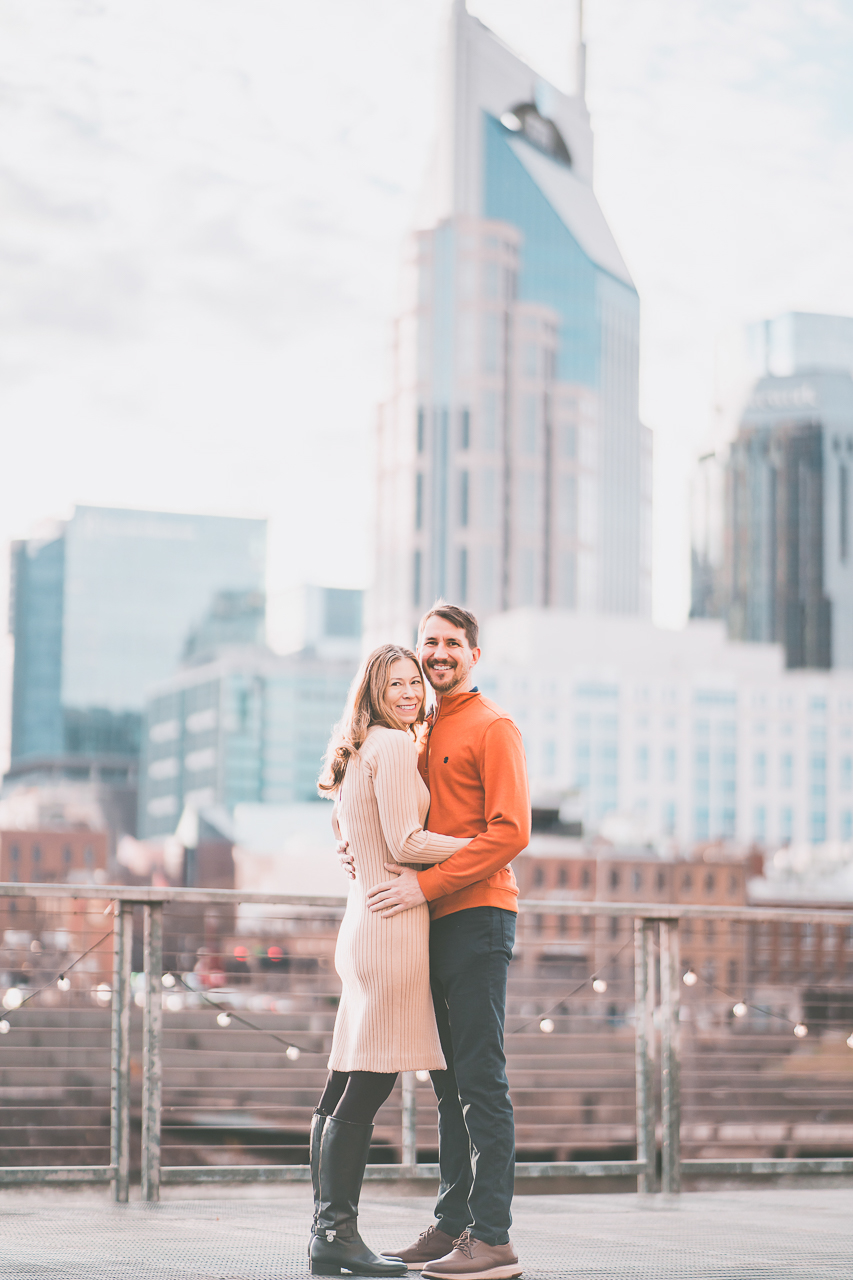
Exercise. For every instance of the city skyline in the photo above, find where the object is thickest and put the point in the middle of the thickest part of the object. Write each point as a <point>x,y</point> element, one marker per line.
<point>168,281</point>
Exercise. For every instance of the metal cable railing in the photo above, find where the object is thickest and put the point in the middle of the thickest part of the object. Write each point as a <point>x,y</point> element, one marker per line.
<point>191,1043</point>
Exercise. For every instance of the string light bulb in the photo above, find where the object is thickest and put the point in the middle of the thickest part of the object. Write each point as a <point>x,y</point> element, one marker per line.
<point>690,978</point>
<point>423,1076</point>
<point>740,1010</point>
<point>5,1028</point>
<point>103,993</point>
<point>599,986</point>
<point>801,1031</point>
<point>168,979</point>
<point>850,1041</point>
<point>13,999</point>
<point>547,1025</point>
<point>223,1019</point>
<point>292,1052</point>
<point>63,983</point>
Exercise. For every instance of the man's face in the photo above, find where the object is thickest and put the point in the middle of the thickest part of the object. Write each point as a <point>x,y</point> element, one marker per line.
<point>447,656</point>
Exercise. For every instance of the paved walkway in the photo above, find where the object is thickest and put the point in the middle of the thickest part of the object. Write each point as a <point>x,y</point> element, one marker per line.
<point>724,1235</point>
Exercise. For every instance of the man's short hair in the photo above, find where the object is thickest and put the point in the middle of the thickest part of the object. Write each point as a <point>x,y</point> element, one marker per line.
<point>457,617</point>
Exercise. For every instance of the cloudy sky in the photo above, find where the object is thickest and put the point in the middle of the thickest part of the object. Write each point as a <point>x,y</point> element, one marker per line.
<point>202,202</point>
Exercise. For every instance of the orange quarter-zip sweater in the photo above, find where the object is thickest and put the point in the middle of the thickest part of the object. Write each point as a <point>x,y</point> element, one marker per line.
<point>473,763</point>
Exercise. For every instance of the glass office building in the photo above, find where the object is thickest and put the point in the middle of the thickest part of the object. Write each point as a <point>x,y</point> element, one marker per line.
<point>103,609</point>
<point>513,467</point>
<point>249,727</point>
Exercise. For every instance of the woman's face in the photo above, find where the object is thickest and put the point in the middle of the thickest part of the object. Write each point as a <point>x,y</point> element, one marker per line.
<point>405,691</point>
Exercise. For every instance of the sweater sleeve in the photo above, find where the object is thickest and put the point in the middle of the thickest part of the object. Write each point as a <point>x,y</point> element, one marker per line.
<point>395,785</point>
<point>503,769</point>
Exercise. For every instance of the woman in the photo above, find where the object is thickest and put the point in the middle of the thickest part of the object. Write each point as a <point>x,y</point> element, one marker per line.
<point>385,1021</point>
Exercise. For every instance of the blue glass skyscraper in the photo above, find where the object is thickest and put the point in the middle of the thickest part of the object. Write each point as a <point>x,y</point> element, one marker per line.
<point>513,467</point>
<point>104,608</point>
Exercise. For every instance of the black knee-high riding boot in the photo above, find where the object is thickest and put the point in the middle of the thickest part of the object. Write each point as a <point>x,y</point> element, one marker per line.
<point>336,1242</point>
<point>318,1120</point>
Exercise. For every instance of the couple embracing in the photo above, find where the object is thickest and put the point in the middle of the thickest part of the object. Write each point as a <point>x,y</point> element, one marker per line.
<point>432,810</point>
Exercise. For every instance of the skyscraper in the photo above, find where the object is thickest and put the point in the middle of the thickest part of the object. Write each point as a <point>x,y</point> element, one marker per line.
<point>789,558</point>
<point>788,573</point>
<point>513,468</point>
<point>103,608</point>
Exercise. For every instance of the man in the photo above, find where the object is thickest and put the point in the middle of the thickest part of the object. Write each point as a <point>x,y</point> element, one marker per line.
<point>473,763</point>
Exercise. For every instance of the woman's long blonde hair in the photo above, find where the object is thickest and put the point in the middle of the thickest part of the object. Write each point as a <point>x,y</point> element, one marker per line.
<point>366,706</point>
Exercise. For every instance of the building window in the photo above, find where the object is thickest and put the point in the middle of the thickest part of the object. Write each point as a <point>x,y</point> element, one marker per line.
<point>636,880</point>
<point>549,758</point>
<point>786,823</point>
<point>701,823</point>
<point>463,574</point>
<point>529,425</point>
<point>669,818</point>
<point>586,878</point>
<point>710,881</point>
<point>67,855</point>
<point>421,430</point>
<point>419,500</point>
<point>786,771</point>
<point>669,764</point>
<point>538,876</point>
<point>614,879</point>
<point>89,856</point>
<point>465,429</point>
<point>642,765</point>
<point>847,773</point>
<point>733,973</point>
<point>842,513</point>
<point>818,826</point>
<point>563,878</point>
<point>463,498</point>
<point>661,881</point>
<point>416,578</point>
<point>759,769</point>
<point>759,822</point>
<point>687,881</point>
<point>36,854</point>
<point>614,926</point>
<point>15,853</point>
<point>587,925</point>
<point>846,824</point>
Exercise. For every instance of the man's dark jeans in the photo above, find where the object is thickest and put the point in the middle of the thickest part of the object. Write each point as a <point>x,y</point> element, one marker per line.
<point>469,954</point>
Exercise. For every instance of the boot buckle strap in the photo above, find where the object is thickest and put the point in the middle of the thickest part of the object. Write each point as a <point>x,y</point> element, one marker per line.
<point>330,1235</point>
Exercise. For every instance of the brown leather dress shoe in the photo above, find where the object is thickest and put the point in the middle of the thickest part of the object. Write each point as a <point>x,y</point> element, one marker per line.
<point>432,1243</point>
<point>473,1259</point>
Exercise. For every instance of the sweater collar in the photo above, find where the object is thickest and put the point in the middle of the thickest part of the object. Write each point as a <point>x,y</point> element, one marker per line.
<point>455,703</point>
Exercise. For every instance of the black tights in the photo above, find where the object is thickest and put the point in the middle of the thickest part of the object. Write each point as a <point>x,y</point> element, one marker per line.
<point>356,1096</point>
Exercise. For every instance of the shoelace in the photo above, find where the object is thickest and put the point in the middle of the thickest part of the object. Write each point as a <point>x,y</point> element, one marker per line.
<point>464,1244</point>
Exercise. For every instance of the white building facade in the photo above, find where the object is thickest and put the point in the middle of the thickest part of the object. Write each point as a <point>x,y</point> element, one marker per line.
<point>513,468</point>
<point>686,735</point>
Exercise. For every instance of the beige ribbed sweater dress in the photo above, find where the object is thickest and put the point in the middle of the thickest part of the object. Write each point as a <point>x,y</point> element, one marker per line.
<point>385,1018</point>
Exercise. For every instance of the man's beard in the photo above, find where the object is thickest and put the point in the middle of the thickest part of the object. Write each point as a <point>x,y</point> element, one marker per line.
<point>457,677</point>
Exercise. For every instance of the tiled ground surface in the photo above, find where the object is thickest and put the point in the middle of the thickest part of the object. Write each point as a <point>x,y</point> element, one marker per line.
<point>721,1235</point>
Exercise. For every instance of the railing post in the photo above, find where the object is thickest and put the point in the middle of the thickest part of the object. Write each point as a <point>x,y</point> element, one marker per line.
<point>410,1119</point>
<point>670,988</point>
<point>152,1027</point>
<point>644,1004</point>
<point>120,1050</point>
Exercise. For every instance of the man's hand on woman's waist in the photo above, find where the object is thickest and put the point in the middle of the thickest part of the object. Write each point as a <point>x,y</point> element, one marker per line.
<point>400,894</point>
